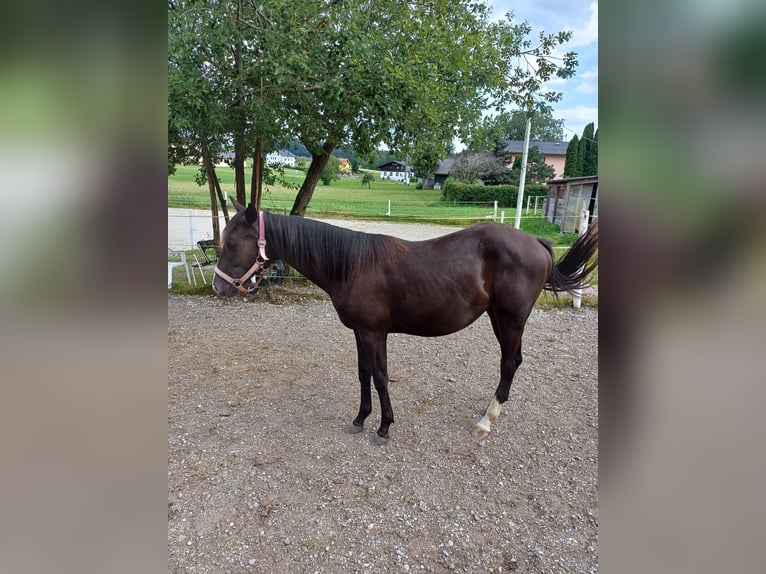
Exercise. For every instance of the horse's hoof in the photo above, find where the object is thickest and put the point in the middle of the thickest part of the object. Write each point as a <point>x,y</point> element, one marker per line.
<point>478,432</point>
<point>378,440</point>
<point>353,429</point>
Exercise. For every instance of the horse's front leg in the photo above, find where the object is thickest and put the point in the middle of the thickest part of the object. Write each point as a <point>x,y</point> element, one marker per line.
<point>371,348</point>
<point>365,374</point>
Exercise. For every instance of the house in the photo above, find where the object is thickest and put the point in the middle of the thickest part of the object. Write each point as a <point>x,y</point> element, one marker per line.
<point>395,170</point>
<point>344,164</point>
<point>555,153</point>
<point>224,159</point>
<point>281,157</point>
<point>442,172</point>
<point>567,198</point>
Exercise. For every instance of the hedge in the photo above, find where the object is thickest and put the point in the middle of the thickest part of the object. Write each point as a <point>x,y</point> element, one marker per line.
<point>505,195</point>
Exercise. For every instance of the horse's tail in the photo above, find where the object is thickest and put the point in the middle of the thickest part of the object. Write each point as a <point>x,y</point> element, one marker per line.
<point>572,270</point>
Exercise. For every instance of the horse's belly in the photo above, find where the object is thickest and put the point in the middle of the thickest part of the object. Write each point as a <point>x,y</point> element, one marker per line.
<point>435,324</point>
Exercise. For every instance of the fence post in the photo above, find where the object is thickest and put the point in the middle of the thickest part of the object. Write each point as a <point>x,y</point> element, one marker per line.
<point>388,213</point>
<point>528,198</point>
<point>494,212</point>
<point>584,216</point>
<point>502,217</point>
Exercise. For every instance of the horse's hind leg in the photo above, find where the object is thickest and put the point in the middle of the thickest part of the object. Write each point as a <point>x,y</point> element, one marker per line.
<point>371,348</point>
<point>508,331</point>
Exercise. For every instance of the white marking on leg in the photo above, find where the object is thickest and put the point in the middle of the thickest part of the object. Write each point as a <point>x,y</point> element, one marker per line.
<point>490,415</point>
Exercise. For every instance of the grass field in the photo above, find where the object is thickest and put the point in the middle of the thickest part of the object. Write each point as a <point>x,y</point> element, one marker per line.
<point>347,198</point>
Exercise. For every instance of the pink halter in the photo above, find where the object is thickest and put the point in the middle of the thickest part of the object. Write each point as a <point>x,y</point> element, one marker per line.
<point>254,268</point>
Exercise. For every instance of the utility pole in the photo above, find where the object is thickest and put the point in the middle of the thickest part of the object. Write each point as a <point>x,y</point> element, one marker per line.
<point>523,176</point>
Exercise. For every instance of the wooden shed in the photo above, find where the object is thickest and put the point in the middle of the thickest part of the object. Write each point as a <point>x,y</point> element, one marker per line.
<point>567,198</point>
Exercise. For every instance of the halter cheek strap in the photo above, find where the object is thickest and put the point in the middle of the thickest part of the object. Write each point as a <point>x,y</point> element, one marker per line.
<point>261,238</point>
<point>254,268</point>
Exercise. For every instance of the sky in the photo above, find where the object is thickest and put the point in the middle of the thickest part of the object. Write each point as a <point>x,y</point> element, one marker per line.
<point>579,104</point>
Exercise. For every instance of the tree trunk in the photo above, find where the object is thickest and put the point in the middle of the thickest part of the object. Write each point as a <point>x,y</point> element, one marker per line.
<point>239,166</point>
<point>318,163</point>
<point>207,164</point>
<point>256,183</point>
<point>222,199</point>
<point>240,120</point>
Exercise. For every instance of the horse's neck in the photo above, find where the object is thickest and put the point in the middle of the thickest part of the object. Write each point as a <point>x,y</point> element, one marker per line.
<point>285,233</point>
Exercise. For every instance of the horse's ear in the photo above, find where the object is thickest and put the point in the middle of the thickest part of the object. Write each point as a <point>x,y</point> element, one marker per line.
<point>251,214</point>
<point>237,204</point>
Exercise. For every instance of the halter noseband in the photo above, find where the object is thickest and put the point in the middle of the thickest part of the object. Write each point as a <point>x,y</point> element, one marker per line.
<point>254,268</point>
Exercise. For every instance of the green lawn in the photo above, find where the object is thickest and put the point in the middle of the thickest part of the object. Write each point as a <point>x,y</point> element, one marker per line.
<point>347,198</point>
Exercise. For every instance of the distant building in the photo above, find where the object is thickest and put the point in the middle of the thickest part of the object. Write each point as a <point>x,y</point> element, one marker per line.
<point>224,159</point>
<point>344,164</point>
<point>395,170</point>
<point>567,198</point>
<point>442,172</point>
<point>281,157</point>
<point>555,153</point>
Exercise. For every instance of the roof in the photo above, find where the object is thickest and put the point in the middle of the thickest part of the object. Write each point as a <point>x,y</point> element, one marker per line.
<point>581,179</point>
<point>444,166</point>
<point>546,148</point>
<point>283,153</point>
<point>395,162</point>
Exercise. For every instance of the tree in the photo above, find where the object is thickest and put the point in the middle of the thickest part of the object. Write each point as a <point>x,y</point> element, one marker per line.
<point>427,158</point>
<point>196,114</point>
<point>590,164</point>
<point>397,74</point>
<point>367,179</point>
<point>495,131</point>
<point>484,166</point>
<point>331,171</point>
<point>537,169</point>
<point>411,76</point>
<point>586,149</point>
<point>572,166</point>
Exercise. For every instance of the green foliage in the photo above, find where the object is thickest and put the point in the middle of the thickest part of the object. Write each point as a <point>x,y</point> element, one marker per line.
<point>505,195</point>
<point>582,154</point>
<point>334,74</point>
<point>331,171</point>
<point>537,169</point>
<point>572,167</point>
<point>367,179</point>
<point>494,131</point>
<point>586,148</point>
<point>590,163</point>
<point>481,166</point>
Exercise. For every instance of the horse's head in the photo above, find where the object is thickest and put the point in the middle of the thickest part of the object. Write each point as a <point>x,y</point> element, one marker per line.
<point>242,261</point>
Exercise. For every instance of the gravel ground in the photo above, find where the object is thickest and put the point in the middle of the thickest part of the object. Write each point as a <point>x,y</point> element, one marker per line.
<point>263,478</point>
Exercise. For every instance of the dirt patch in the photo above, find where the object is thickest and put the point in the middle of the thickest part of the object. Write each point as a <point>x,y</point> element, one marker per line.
<point>263,478</point>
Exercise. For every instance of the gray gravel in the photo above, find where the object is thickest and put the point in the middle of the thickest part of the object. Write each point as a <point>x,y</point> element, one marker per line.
<point>263,478</point>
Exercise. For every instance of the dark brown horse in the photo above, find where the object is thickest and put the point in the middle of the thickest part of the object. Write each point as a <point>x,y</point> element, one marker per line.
<point>380,285</point>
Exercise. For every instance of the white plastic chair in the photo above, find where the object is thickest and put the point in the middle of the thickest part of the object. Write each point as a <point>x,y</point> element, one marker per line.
<point>172,264</point>
<point>189,271</point>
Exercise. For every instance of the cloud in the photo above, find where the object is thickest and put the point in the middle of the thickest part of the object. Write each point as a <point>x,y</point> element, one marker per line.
<point>588,82</point>
<point>576,118</point>
<point>587,33</point>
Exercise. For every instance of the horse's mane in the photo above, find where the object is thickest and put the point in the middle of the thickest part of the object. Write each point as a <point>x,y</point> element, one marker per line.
<point>340,252</point>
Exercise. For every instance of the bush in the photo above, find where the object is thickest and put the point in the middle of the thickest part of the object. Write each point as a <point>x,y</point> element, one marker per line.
<point>505,195</point>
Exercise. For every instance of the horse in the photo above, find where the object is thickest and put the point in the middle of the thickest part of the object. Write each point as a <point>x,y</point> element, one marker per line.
<point>380,284</point>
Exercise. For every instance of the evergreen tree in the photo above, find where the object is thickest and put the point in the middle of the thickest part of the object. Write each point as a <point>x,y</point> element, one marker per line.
<point>590,166</point>
<point>571,166</point>
<point>586,144</point>
<point>537,169</point>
